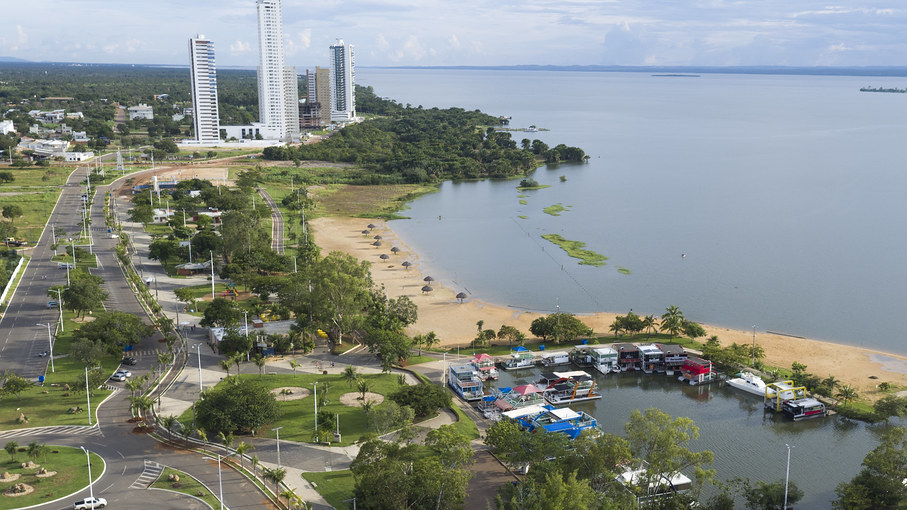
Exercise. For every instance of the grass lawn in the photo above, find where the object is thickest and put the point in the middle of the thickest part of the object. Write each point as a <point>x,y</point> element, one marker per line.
<point>72,475</point>
<point>186,485</point>
<point>15,283</point>
<point>54,175</point>
<point>334,486</point>
<point>82,260</point>
<point>298,416</point>
<point>465,425</point>
<point>416,360</point>
<point>36,207</point>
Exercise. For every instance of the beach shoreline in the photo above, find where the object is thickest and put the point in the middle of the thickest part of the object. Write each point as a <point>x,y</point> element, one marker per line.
<point>454,321</point>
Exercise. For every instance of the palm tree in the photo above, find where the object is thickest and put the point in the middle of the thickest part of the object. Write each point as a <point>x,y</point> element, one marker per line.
<point>672,321</point>
<point>617,326</point>
<point>363,385</point>
<point>294,364</point>
<point>134,385</point>
<point>420,341</point>
<point>142,404</point>
<point>164,359</point>
<point>226,440</point>
<point>650,323</point>
<point>276,475</point>
<point>169,422</point>
<point>32,450</point>
<point>225,364</point>
<point>236,359</point>
<point>847,393</point>
<point>254,464</point>
<point>241,450</point>
<point>11,448</point>
<point>260,362</point>
<point>431,339</point>
<point>351,374</point>
<point>293,499</point>
<point>202,434</point>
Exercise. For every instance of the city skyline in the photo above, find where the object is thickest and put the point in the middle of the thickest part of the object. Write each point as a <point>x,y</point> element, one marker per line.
<point>544,32</point>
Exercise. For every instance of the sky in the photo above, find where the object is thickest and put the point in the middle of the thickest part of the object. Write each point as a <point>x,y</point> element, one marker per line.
<point>469,32</point>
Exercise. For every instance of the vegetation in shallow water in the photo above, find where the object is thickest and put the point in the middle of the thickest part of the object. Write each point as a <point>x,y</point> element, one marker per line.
<point>576,250</point>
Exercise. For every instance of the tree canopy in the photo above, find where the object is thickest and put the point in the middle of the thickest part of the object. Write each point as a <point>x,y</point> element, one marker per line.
<point>241,406</point>
<point>114,330</point>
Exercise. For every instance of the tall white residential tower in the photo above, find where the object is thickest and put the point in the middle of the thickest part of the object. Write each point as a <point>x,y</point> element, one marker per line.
<point>275,100</point>
<point>204,90</point>
<point>343,98</point>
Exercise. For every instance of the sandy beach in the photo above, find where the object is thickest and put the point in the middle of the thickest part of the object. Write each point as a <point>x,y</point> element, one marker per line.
<point>455,322</point>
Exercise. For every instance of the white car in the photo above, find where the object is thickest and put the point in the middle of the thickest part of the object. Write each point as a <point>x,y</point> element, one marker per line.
<point>124,372</point>
<point>89,504</point>
<point>118,377</point>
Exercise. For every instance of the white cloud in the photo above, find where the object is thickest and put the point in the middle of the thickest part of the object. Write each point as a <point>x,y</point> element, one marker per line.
<point>239,47</point>
<point>129,46</point>
<point>382,43</point>
<point>454,41</point>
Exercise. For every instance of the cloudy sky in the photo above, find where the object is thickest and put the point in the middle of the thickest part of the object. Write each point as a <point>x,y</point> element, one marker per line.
<point>470,32</point>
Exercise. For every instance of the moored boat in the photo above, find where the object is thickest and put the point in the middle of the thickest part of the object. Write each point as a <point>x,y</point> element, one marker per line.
<point>627,357</point>
<point>750,383</point>
<point>464,380</point>
<point>674,357</point>
<point>581,355</point>
<point>520,358</point>
<point>569,387</point>
<point>697,371</point>
<point>564,420</point>
<point>552,359</point>
<point>651,358</point>
<point>485,365</point>
<point>604,359</point>
<point>803,409</point>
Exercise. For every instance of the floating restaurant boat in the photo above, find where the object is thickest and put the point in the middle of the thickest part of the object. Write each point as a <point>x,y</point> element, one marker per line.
<point>568,387</point>
<point>520,396</point>
<point>674,357</point>
<point>520,358</point>
<point>627,357</point>
<point>464,379</point>
<point>581,355</point>
<point>552,359</point>
<point>803,409</point>
<point>565,420</point>
<point>485,365</point>
<point>697,371</point>
<point>651,358</point>
<point>604,359</point>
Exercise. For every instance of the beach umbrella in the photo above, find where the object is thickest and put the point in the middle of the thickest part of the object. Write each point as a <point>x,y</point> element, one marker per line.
<point>378,237</point>
<point>428,279</point>
<point>371,226</point>
<point>385,256</point>
<point>461,296</point>
<point>365,232</point>
<point>376,243</point>
<point>406,264</point>
<point>427,288</point>
<point>525,389</point>
<point>395,250</point>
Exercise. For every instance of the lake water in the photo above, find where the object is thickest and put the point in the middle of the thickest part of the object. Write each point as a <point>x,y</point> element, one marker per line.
<point>782,192</point>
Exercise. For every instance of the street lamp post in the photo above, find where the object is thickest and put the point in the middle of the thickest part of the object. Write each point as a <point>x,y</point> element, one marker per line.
<point>87,395</point>
<point>754,345</point>
<point>786,475</point>
<point>277,430</point>
<point>50,340</point>
<point>60,303</point>
<point>73,246</point>
<point>198,348</point>
<point>315,385</point>
<point>90,487</point>
<point>220,483</point>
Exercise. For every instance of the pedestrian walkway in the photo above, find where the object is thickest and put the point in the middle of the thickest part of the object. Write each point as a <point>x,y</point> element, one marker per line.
<point>151,473</point>
<point>69,430</point>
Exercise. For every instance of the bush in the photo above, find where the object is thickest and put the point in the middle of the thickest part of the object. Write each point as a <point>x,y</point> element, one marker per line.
<point>424,399</point>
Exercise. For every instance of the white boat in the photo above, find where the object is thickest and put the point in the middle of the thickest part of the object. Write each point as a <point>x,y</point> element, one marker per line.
<point>568,387</point>
<point>520,358</point>
<point>604,359</point>
<point>485,365</point>
<point>652,358</point>
<point>751,383</point>
<point>804,409</point>
<point>464,380</point>
<point>551,359</point>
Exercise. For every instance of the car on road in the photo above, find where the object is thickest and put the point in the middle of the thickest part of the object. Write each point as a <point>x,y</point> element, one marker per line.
<point>118,376</point>
<point>89,504</point>
<point>129,360</point>
<point>125,372</point>
<point>52,304</point>
<point>64,265</point>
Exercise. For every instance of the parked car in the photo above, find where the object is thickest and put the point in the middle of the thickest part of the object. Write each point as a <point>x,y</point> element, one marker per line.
<point>129,360</point>
<point>126,373</point>
<point>64,265</point>
<point>89,504</point>
<point>118,377</point>
<point>52,304</point>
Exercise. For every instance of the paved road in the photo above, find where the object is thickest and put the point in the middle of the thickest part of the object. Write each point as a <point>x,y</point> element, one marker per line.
<point>277,229</point>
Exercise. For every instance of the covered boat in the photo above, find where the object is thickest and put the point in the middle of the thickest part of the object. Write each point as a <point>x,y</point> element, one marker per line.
<point>674,357</point>
<point>569,387</point>
<point>803,409</point>
<point>464,379</point>
<point>565,420</point>
<point>628,357</point>
<point>485,366</point>
<point>651,358</point>
<point>581,355</point>
<point>604,359</point>
<point>552,359</point>
<point>520,358</point>
<point>697,371</point>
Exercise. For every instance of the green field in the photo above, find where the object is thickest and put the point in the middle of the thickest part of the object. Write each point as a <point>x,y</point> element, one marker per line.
<point>334,486</point>
<point>72,475</point>
<point>36,208</point>
<point>298,416</point>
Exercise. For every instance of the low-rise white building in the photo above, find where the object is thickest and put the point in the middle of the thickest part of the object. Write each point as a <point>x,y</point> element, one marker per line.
<point>77,156</point>
<point>162,215</point>
<point>141,111</point>
<point>7,127</point>
<point>45,148</point>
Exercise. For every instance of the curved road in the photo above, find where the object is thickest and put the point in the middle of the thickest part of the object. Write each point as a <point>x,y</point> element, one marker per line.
<point>276,222</point>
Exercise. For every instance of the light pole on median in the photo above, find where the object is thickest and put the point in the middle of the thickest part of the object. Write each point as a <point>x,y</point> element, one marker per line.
<point>198,347</point>
<point>60,303</point>
<point>50,340</point>
<point>277,430</point>
<point>220,483</point>
<point>87,395</point>
<point>90,488</point>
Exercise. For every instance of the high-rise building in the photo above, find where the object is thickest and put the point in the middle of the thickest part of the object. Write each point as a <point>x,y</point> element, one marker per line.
<point>278,96</point>
<point>343,98</point>
<point>317,108</point>
<point>204,90</point>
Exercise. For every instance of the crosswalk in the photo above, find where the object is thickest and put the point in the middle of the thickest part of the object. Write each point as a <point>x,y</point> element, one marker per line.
<point>71,430</point>
<point>151,473</point>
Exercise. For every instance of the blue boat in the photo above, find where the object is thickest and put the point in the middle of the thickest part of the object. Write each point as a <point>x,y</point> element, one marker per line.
<point>465,381</point>
<point>566,421</point>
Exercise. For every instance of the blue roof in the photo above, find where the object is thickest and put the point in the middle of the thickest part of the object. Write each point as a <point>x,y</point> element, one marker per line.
<point>520,348</point>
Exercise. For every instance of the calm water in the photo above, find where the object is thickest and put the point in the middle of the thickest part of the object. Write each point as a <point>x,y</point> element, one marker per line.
<point>747,441</point>
<point>782,191</point>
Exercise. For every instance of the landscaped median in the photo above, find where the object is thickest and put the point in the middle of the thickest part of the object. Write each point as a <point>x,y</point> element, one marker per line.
<point>37,474</point>
<point>178,481</point>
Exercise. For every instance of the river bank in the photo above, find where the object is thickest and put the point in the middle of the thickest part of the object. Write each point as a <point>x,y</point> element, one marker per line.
<point>455,322</point>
